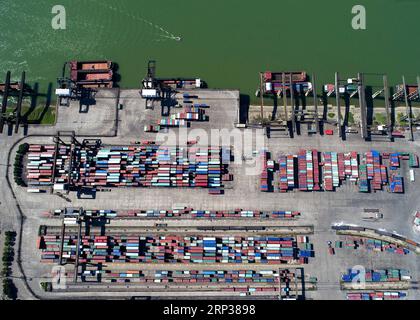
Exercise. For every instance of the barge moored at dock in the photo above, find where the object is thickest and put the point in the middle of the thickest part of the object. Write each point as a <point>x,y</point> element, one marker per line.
<point>92,74</point>
<point>277,82</point>
<point>155,88</point>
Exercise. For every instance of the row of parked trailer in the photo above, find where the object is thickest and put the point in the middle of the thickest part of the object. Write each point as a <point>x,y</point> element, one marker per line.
<point>311,170</point>
<point>182,212</point>
<point>376,295</point>
<point>177,249</point>
<point>370,245</point>
<point>246,281</point>
<point>381,275</point>
<point>93,273</point>
<point>117,166</point>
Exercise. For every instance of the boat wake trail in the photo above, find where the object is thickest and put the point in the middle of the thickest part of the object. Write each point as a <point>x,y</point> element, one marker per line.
<point>164,35</point>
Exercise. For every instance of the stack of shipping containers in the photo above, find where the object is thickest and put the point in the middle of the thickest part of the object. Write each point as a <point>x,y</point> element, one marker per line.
<point>309,170</point>
<point>148,165</point>
<point>178,249</point>
<point>336,168</point>
<point>317,181</point>
<point>264,172</point>
<point>39,167</point>
<point>302,170</point>
<point>290,171</point>
<point>395,180</point>
<point>363,179</point>
<point>373,165</point>
<point>327,171</point>
<point>283,182</point>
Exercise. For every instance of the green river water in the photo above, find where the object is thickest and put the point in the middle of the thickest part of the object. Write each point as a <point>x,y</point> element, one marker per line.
<point>225,42</point>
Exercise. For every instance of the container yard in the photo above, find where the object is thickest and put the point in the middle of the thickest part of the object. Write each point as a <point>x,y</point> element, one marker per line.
<point>205,259</point>
<point>311,170</point>
<point>207,242</point>
<point>154,218</point>
<point>146,165</point>
<point>91,74</point>
<point>226,172</point>
<point>279,82</point>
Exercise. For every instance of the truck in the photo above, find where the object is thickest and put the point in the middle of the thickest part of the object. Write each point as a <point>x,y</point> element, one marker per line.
<point>417,220</point>
<point>412,177</point>
<point>371,215</point>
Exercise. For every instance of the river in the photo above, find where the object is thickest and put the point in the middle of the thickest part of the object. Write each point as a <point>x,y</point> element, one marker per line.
<point>225,42</point>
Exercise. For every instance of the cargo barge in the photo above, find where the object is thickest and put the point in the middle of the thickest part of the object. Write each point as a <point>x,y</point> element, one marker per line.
<point>183,83</point>
<point>287,173</point>
<point>155,88</point>
<point>92,74</point>
<point>13,86</point>
<point>308,170</point>
<point>188,277</point>
<point>272,82</point>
